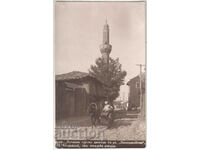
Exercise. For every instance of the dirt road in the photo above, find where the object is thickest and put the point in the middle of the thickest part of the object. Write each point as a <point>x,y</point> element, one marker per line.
<point>126,126</point>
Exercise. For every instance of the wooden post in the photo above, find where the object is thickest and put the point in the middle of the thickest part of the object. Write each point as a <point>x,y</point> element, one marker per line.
<point>141,94</point>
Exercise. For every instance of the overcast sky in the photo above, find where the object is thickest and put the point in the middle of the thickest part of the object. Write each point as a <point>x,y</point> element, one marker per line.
<point>79,32</point>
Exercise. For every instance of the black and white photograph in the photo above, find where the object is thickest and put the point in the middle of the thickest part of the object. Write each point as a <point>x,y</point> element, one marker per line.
<point>100,74</point>
<point>96,74</point>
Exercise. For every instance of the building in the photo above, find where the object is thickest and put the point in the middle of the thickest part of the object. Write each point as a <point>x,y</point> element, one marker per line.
<point>134,92</point>
<point>74,92</point>
<point>120,105</point>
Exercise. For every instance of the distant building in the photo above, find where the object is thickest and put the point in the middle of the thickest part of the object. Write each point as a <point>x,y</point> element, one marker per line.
<point>74,92</point>
<point>120,105</point>
<point>134,92</point>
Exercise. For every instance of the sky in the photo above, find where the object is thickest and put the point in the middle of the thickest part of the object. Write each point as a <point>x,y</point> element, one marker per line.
<point>79,33</point>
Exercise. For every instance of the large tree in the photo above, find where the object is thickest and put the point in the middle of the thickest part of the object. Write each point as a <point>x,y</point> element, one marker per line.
<point>112,76</point>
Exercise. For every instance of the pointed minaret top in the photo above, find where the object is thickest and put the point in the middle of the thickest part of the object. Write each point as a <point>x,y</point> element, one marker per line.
<point>106,25</point>
<point>105,47</point>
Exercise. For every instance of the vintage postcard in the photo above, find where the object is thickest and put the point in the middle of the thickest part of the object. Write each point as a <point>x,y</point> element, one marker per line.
<point>100,74</point>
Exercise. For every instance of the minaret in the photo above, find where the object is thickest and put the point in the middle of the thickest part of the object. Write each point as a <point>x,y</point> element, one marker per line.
<point>105,48</point>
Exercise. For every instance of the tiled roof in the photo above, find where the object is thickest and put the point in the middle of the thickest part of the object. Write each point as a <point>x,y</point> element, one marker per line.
<point>136,78</point>
<point>72,75</point>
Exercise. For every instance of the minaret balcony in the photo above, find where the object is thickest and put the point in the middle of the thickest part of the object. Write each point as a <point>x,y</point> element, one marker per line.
<point>105,48</point>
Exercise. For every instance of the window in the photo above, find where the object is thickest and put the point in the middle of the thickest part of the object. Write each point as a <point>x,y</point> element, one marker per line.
<point>137,84</point>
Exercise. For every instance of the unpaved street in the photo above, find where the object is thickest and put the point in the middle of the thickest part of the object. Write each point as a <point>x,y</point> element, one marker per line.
<point>126,126</point>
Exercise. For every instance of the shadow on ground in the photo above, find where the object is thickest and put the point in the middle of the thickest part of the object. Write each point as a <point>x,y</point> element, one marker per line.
<point>125,114</point>
<point>122,118</point>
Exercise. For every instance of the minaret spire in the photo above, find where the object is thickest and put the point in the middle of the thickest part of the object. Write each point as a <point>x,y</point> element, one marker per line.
<point>106,33</point>
<point>105,47</point>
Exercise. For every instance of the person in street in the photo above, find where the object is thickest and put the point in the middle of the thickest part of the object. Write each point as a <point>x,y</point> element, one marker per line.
<point>107,109</point>
<point>93,112</point>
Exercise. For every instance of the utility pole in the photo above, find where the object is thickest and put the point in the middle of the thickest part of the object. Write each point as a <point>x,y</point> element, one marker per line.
<point>141,96</point>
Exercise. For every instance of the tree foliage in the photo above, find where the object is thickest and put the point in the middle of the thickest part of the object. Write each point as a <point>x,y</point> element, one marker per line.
<point>112,76</point>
